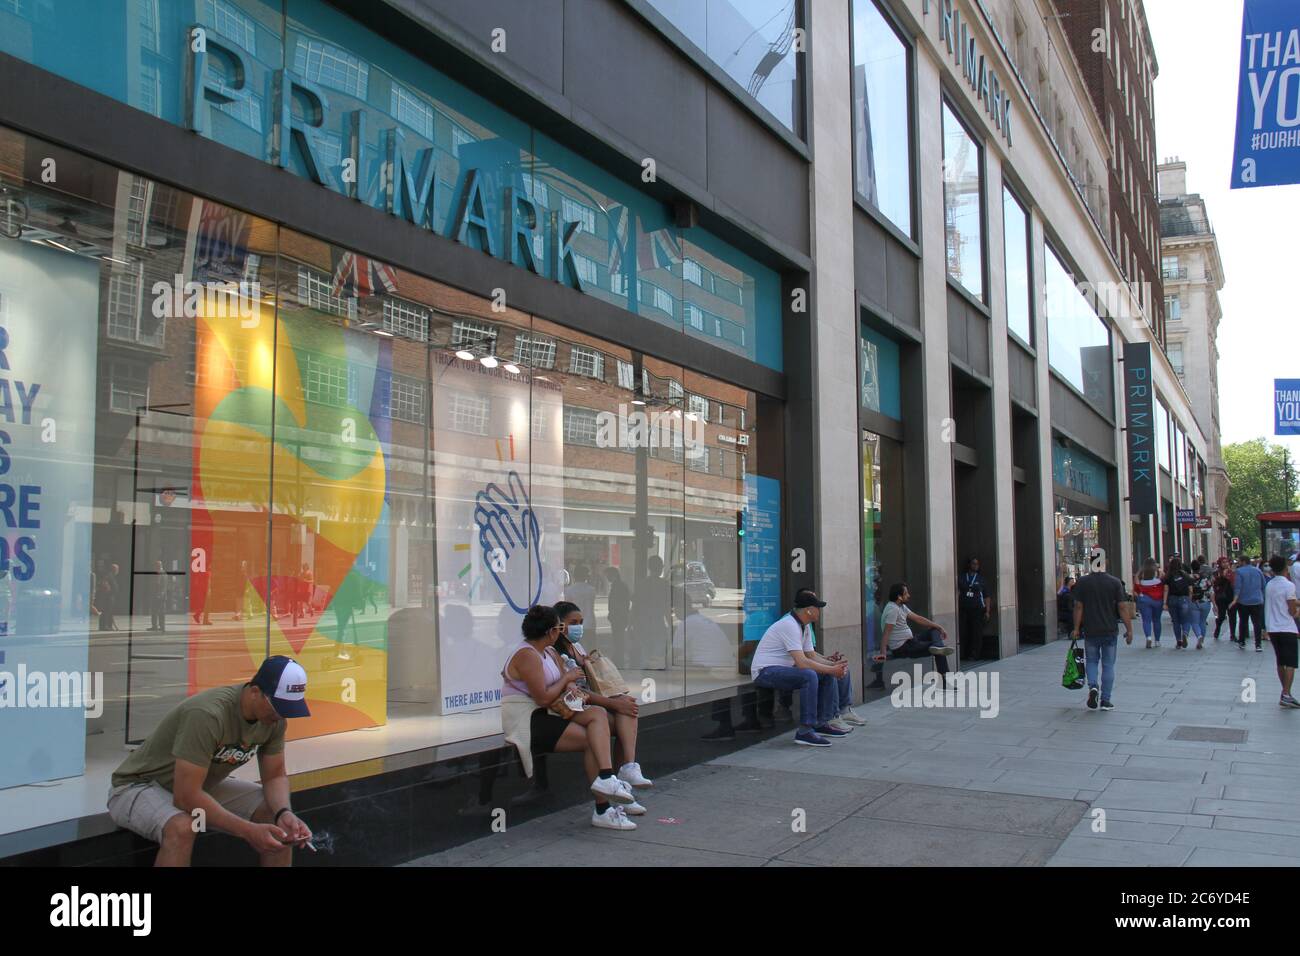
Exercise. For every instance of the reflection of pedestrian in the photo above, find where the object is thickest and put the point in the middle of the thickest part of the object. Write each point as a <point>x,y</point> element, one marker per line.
<point>158,589</point>
<point>106,598</point>
<point>651,615</point>
<point>347,601</point>
<point>581,593</point>
<point>200,584</point>
<point>620,604</point>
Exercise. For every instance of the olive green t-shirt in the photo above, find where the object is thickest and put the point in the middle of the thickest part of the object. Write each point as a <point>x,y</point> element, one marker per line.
<point>207,730</point>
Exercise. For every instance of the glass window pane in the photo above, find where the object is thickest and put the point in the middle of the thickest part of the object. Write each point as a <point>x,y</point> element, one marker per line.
<point>752,41</point>
<point>881,136</point>
<point>963,224</point>
<point>1078,341</point>
<point>1016,249</point>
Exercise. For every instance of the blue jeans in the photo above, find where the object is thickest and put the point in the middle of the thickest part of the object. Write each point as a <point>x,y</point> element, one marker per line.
<point>1151,610</point>
<point>1200,614</point>
<point>819,694</point>
<point>1180,615</point>
<point>1101,650</point>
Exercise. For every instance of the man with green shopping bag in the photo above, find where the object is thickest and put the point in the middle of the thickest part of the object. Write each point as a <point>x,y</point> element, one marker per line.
<point>1097,616</point>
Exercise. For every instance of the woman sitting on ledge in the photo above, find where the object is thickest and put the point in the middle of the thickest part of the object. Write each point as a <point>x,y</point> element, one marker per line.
<point>533,681</point>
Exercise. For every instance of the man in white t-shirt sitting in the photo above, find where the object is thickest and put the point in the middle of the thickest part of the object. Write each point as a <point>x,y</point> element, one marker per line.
<point>1280,610</point>
<point>896,625</point>
<point>785,660</point>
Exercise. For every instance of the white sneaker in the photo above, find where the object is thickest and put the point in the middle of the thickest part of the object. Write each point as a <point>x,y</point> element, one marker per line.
<point>848,716</point>
<point>941,650</point>
<point>633,809</point>
<point>612,819</point>
<point>840,725</point>
<point>612,789</point>
<point>630,773</point>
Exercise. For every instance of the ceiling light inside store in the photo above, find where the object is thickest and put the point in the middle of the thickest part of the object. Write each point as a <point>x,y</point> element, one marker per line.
<point>465,354</point>
<point>511,367</point>
<point>489,361</point>
<point>121,262</point>
<point>59,245</point>
<point>638,401</point>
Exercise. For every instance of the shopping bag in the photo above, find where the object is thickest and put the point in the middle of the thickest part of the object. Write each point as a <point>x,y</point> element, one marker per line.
<point>602,676</point>
<point>1073,678</point>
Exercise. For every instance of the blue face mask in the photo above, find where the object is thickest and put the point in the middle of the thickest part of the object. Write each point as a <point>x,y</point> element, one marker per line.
<point>575,632</point>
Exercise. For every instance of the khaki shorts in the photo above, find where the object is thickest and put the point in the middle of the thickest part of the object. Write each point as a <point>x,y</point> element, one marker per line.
<point>145,808</point>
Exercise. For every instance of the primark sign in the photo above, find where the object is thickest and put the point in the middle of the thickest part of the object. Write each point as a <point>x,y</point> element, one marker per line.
<point>984,81</point>
<point>407,188</point>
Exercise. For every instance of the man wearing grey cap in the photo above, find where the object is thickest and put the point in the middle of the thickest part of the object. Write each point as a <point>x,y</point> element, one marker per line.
<point>177,784</point>
<point>785,660</point>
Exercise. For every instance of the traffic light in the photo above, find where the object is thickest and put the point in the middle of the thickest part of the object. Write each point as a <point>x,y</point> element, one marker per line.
<point>740,524</point>
<point>1236,544</point>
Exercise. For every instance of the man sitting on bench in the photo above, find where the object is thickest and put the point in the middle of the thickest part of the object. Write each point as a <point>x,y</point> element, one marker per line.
<point>896,622</point>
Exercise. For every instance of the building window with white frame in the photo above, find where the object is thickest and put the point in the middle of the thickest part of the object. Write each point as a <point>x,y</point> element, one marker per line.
<point>535,351</point>
<point>406,319</point>
<point>469,413</point>
<point>586,361</point>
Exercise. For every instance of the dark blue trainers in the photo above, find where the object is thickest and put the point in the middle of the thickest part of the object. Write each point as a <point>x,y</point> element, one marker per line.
<point>810,739</point>
<point>1092,698</point>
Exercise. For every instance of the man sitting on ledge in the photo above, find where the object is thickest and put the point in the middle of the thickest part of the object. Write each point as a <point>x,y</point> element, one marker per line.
<point>785,660</point>
<point>177,784</point>
<point>896,622</point>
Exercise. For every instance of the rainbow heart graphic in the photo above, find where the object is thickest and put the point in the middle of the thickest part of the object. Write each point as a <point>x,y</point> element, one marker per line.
<point>279,442</point>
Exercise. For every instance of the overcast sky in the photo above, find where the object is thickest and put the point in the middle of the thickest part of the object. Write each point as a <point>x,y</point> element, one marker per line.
<point>1197,46</point>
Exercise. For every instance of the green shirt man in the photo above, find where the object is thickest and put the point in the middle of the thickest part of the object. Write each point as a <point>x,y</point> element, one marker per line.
<point>178,784</point>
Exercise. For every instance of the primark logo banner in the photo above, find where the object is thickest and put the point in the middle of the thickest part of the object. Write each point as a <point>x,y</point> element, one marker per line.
<point>1286,406</point>
<point>1268,95</point>
<point>1140,427</point>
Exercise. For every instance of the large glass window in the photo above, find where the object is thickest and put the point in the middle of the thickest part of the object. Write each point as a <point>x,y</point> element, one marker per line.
<point>318,464</point>
<point>1015,248</point>
<point>753,42</point>
<point>1078,341</point>
<point>963,223</point>
<point>1162,436</point>
<point>882,142</point>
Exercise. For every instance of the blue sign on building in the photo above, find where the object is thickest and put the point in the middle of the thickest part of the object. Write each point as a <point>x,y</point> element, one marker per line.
<point>761,553</point>
<point>1268,96</point>
<point>1286,406</point>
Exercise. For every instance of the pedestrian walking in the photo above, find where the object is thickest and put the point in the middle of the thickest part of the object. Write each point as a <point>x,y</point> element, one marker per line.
<point>1280,612</point>
<point>1097,619</point>
<point>1200,600</point>
<point>1178,598</point>
<point>1248,598</point>
<point>1149,587</point>
<point>1222,585</point>
<point>975,609</point>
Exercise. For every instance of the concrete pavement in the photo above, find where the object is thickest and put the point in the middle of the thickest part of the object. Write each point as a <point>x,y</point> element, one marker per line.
<point>1186,771</point>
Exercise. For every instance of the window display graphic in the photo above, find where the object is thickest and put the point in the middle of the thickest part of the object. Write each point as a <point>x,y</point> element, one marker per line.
<point>288,412</point>
<point>49,302</point>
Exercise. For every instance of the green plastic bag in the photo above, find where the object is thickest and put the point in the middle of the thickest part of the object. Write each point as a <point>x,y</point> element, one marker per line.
<point>1073,678</point>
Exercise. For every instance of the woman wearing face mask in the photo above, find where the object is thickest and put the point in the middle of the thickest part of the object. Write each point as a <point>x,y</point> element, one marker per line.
<point>622,709</point>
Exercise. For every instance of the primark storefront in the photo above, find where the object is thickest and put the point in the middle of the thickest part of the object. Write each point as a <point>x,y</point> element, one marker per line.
<point>312,349</point>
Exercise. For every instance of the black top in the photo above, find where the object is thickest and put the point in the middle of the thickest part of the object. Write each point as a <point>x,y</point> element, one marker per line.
<point>970,589</point>
<point>1179,583</point>
<point>1100,594</point>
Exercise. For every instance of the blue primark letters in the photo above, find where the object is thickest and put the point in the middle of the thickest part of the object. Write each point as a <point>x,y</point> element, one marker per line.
<point>410,189</point>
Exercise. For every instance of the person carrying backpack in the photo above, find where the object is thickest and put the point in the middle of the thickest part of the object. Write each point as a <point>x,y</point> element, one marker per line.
<point>1178,585</point>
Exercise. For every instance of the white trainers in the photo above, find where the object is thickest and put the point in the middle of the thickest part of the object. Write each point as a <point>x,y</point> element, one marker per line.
<point>841,725</point>
<point>848,716</point>
<point>633,809</point>
<point>630,773</point>
<point>612,819</point>
<point>612,789</point>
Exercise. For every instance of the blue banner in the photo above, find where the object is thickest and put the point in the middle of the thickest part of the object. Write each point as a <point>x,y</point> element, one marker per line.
<point>762,554</point>
<point>1268,95</point>
<point>1286,406</point>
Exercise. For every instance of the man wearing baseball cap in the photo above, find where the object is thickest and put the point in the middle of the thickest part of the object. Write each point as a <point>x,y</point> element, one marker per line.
<point>785,660</point>
<point>177,784</point>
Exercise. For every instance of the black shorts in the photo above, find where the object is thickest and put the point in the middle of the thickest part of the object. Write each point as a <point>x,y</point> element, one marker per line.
<point>1286,645</point>
<point>546,730</point>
